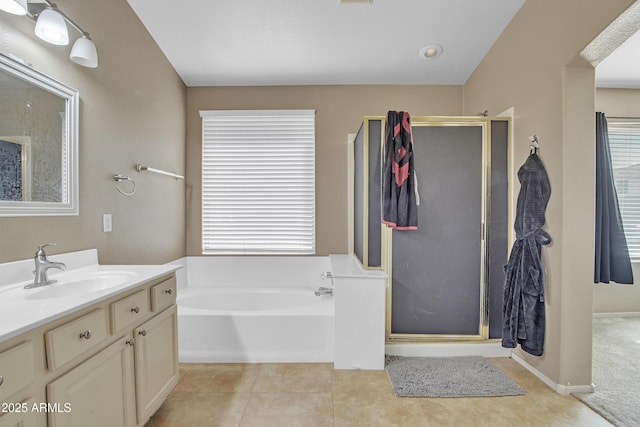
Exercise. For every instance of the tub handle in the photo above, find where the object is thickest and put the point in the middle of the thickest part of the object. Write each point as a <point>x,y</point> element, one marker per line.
<point>326,275</point>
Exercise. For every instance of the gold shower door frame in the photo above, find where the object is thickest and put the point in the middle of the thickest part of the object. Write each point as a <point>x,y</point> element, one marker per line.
<point>365,201</point>
<point>387,238</point>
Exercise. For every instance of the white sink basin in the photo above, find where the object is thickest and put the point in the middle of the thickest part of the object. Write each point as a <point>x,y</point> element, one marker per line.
<point>82,283</point>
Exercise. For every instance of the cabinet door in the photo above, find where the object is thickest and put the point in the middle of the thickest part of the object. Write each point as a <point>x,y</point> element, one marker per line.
<point>98,393</point>
<point>20,415</point>
<point>156,355</point>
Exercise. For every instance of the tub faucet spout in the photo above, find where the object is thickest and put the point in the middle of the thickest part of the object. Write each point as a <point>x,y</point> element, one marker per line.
<point>42,266</point>
<point>323,291</point>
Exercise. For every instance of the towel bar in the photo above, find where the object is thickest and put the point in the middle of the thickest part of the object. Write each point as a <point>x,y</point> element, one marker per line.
<point>141,168</point>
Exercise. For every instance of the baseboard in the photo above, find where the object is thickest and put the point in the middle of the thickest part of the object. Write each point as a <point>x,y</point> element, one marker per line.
<point>559,388</point>
<point>436,349</point>
<point>618,314</point>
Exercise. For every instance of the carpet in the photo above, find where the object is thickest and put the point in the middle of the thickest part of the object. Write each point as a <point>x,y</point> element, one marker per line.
<point>616,370</point>
<point>470,376</point>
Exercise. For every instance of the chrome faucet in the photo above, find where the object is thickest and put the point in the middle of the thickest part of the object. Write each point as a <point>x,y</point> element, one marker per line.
<point>323,291</point>
<point>42,266</point>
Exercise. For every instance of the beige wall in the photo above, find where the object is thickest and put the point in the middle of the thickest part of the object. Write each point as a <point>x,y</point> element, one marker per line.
<point>131,110</point>
<point>339,111</point>
<point>614,298</point>
<point>527,68</point>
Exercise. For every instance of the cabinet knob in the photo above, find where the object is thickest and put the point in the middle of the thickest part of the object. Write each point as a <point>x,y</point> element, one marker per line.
<point>1,379</point>
<point>169,291</point>
<point>86,334</point>
<point>143,333</point>
<point>130,342</point>
<point>135,309</point>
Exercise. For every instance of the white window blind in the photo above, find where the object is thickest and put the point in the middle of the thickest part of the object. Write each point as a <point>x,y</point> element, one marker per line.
<point>624,142</point>
<point>258,182</point>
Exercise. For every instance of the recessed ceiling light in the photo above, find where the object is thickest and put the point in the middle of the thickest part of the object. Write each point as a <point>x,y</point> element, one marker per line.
<point>430,52</point>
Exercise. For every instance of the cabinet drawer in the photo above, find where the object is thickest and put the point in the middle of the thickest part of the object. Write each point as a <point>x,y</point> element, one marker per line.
<point>16,369</point>
<point>74,338</point>
<point>129,310</point>
<point>163,294</point>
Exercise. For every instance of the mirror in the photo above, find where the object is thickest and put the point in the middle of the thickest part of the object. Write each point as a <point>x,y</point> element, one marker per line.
<point>38,143</point>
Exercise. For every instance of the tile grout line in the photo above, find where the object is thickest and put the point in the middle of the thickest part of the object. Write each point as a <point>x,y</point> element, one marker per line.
<point>252,394</point>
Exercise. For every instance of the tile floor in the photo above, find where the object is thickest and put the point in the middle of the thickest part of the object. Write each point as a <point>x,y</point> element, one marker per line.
<point>310,395</point>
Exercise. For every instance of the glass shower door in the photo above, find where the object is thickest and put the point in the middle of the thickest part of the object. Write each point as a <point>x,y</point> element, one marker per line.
<point>438,272</point>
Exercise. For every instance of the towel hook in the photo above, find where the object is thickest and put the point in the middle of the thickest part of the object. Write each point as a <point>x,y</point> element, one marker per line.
<point>535,144</point>
<point>120,177</point>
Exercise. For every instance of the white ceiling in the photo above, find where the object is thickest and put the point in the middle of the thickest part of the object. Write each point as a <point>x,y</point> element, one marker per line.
<point>621,69</point>
<point>303,42</point>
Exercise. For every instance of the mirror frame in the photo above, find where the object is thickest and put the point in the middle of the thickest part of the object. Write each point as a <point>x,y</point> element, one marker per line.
<point>71,97</point>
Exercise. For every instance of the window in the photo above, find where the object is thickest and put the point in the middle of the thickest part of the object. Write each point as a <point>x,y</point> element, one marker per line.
<point>258,182</point>
<point>624,142</point>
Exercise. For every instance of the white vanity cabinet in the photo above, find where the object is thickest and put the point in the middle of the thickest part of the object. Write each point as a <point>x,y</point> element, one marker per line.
<point>109,364</point>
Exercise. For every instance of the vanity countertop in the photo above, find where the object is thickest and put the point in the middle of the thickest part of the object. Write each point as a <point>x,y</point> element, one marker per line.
<point>24,309</point>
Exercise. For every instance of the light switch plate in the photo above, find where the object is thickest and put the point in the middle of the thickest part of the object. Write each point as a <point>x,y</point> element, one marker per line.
<point>107,225</point>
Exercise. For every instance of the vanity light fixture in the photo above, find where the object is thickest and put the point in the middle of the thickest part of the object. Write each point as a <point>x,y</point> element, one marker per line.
<point>15,7</point>
<point>51,26</point>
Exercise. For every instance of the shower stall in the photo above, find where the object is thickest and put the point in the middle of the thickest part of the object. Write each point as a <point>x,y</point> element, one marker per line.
<point>446,278</point>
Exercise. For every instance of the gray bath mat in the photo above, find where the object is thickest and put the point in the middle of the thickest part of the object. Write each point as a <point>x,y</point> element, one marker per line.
<point>470,376</point>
